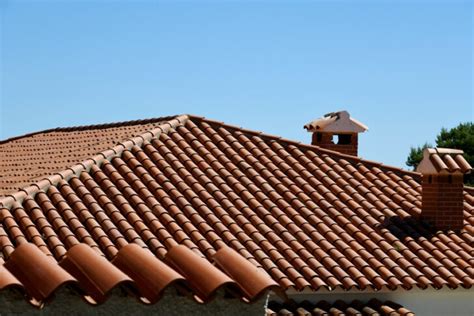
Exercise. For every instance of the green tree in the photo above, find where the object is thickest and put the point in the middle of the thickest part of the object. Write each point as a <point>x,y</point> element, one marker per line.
<point>416,154</point>
<point>459,137</point>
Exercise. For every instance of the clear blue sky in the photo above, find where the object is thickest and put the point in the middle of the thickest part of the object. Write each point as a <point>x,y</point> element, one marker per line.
<point>402,68</point>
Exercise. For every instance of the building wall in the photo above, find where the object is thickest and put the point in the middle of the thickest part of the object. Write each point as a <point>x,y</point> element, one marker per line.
<point>69,304</point>
<point>428,302</point>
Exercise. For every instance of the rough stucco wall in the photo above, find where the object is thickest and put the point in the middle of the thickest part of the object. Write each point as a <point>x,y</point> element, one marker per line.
<point>428,302</point>
<point>67,303</point>
<point>8,303</point>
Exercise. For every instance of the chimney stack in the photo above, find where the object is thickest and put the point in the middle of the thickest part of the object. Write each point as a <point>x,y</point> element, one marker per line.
<point>336,125</point>
<point>442,187</point>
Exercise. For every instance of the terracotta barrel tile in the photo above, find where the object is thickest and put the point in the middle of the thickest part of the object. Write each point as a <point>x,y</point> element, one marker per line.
<point>40,275</point>
<point>253,281</point>
<point>203,277</point>
<point>316,196</point>
<point>151,276</point>
<point>462,163</point>
<point>8,280</point>
<point>95,274</point>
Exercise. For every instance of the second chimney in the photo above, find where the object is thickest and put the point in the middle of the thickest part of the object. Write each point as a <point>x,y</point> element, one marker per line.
<point>442,187</point>
<point>336,125</point>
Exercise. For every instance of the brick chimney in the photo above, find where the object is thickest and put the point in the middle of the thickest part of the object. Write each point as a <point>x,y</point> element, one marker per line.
<point>442,186</point>
<point>336,131</point>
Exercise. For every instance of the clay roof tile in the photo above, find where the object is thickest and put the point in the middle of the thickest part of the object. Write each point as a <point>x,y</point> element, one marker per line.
<point>96,276</point>
<point>7,279</point>
<point>253,281</point>
<point>40,274</point>
<point>443,160</point>
<point>308,217</point>
<point>204,278</point>
<point>150,275</point>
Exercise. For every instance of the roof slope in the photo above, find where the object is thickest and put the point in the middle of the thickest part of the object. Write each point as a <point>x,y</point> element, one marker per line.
<point>310,217</point>
<point>373,307</point>
<point>26,158</point>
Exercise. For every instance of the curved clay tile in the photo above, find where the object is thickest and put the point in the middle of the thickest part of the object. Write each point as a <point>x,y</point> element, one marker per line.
<point>438,163</point>
<point>151,275</point>
<point>463,164</point>
<point>95,274</point>
<point>204,278</point>
<point>438,160</point>
<point>8,280</point>
<point>452,165</point>
<point>40,275</point>
<point>253,281</point>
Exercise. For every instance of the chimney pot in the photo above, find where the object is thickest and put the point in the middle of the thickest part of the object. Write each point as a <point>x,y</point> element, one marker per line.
<point>338,124</point>
<point>442,187</point>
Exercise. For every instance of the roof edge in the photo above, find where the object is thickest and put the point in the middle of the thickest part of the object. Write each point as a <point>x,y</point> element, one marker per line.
<point>91,126</point>
<point>370,291</point>
<point>44,183</point>
<point>304,146</point>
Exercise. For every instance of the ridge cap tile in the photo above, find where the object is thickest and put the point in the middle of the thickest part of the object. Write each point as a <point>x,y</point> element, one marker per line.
<point>85,164</point>
<point>91,127</point>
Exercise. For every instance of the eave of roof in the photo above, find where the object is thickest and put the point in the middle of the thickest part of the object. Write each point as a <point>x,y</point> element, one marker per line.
<point>338,308</point>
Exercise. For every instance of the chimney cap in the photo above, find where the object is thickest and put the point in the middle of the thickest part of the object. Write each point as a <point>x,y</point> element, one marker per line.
<point>336,122</point>
<point>443,160</point>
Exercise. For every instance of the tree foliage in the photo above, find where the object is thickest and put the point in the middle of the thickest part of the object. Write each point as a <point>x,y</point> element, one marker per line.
<point>416,154</point>
<point>459,137</point>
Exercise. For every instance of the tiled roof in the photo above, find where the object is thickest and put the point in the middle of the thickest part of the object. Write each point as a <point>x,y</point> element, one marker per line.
<point>439,160</point>
<point>26,158</point>
<point>373,307</point>
<point>310,217</point>
<point>38,276</point>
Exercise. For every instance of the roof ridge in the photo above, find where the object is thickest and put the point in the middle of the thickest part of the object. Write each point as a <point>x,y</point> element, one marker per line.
<point>47,181</point>
<point>319,149</point>
<point>91,126</point>
<point>215,122</point>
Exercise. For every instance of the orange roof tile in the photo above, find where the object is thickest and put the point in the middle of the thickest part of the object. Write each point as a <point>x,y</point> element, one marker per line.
<point>307,216</point>
<point>338,308</point>
<point>439,160</point>
<point>27,158</point>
